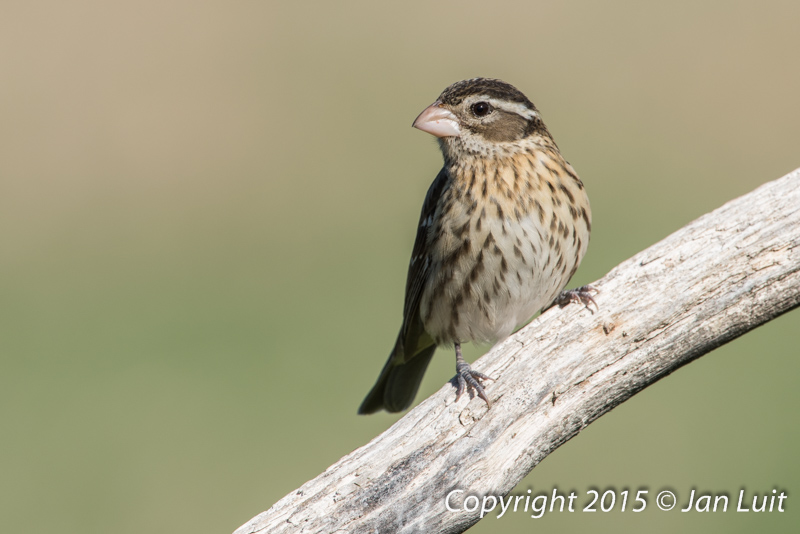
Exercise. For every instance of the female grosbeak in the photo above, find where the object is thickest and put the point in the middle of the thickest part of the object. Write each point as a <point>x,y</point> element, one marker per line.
<point>503,228</point>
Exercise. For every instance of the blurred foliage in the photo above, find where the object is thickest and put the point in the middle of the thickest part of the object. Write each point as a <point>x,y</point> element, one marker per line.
<point>206,214</point>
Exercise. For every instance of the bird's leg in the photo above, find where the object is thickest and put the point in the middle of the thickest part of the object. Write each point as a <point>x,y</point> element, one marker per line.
<point>466,376</point>
<point>582,295</point>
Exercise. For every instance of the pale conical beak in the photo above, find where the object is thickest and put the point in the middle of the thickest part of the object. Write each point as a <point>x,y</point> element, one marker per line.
<point>437,121</point>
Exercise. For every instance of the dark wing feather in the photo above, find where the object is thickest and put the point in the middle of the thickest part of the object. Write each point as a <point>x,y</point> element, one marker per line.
<point>401,375</point>
<point>413,336</point>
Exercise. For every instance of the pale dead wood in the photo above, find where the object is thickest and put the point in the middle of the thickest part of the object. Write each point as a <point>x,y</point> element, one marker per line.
<point>708,283</point>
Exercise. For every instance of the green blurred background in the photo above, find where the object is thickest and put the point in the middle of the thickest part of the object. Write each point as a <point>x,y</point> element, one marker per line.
<point>207,210</point>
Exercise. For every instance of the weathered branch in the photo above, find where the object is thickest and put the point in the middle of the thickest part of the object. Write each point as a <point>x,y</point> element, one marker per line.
<point>708,283</point>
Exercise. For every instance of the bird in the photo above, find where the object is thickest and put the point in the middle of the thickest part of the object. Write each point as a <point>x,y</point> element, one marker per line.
<point>503,227</point>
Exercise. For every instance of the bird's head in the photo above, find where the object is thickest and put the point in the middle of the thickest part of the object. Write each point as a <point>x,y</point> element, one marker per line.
<point>481,117</point>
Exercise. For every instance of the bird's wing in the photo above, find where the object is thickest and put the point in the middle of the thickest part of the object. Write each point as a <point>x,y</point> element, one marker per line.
<point>414,337</point>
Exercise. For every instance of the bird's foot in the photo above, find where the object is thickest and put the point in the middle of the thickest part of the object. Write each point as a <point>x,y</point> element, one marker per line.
<point>582,295</point>
<point>468,378</point>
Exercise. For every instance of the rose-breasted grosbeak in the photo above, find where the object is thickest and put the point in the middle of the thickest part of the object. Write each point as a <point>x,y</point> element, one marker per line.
<point>502,230</point>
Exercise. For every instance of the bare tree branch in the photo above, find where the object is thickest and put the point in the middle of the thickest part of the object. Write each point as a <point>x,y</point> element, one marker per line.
<point>708,283</point>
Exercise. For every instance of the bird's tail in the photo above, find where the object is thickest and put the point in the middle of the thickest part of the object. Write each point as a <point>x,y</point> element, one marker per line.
<point>399,381</point>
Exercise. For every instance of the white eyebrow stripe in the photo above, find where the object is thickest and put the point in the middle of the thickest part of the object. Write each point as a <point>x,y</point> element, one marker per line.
<point>512,107</point>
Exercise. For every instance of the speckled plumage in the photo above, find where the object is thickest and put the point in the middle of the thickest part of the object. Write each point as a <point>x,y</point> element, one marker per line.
<point>503,227</point>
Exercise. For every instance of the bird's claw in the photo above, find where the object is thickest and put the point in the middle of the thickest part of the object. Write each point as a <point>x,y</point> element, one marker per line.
<point>468,378</point>
<point>582,295</point>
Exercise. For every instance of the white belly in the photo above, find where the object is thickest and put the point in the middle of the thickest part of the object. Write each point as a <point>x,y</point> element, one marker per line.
<point>508,274</point>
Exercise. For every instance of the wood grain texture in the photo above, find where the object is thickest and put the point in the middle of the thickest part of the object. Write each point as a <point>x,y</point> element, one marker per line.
<point>708,283</point>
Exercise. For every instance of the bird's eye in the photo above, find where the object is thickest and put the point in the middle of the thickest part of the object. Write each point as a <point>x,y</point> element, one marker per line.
<point>481,109</point>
